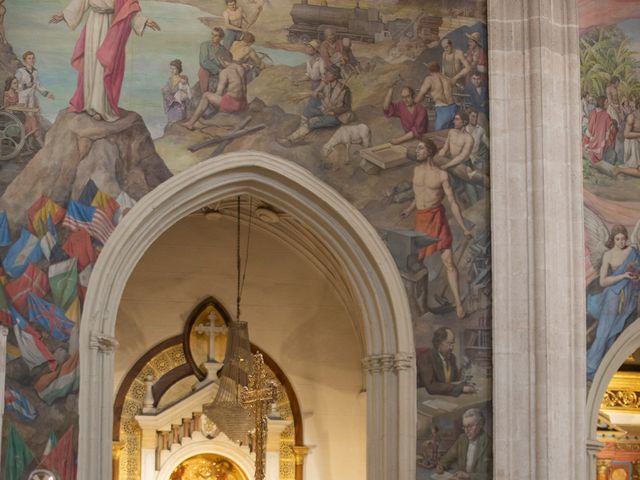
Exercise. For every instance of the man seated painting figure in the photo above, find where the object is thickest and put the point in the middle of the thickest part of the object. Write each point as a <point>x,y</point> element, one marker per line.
<point>471,453</point>
<point>230,95</point>
<point>333,110</point>
<point>438,369</point>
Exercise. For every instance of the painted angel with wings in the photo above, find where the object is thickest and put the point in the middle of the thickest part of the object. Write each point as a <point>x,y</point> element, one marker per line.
<point>615,299</point>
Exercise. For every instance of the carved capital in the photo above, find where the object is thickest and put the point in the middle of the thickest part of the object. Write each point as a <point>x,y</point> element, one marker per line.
<point>300,452</point>
<point>387,362</point>
<point>103,343</point>
<point>378,363</point>
<point>404,361</point>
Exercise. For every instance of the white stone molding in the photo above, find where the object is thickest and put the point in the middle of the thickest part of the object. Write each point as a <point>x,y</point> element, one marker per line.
<point>103,343</point>
<point>378,291</point>
<point>404,361</point>
<point>219,445</point>
<point>175,413</point>
<point>4,331</point>
<point>627,343</point>
<point>539,378</point>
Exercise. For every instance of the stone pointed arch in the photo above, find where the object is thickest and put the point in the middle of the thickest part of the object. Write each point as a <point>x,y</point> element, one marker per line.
<point>379,292</point>
<point>627,343</point>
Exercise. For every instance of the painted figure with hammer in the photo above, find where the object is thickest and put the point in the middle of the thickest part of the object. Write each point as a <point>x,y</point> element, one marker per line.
<point>430,186</point>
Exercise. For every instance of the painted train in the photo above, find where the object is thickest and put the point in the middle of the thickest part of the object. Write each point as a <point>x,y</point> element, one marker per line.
<point>361,24</point>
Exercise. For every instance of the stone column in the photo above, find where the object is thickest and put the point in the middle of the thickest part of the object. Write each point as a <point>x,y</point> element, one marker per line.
<point>4,331</point>
<point>391,456</point>
<point>96,463</point>
<point>375,449</point>
<point>537,233</point>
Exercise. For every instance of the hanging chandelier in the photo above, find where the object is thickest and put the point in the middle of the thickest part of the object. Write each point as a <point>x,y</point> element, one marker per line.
<point>226,411</point>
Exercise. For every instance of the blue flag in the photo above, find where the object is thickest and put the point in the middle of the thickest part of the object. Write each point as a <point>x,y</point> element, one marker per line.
<point>50,318</point>
<point>25,250</point>
<point>17,403</point>
<point>5,235</point>
<point>88,193</point>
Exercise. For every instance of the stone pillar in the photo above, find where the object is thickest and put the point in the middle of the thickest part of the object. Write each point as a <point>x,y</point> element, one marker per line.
<point>537,233</point>
<point>116,450</point>
<point>300,452</point>
<point>97,464</point>
<point>375,414</point>
<point>391,456</point>
<point>4,331</point>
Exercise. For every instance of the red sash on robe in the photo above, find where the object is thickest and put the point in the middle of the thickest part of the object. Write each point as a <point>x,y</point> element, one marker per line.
<point>111,55</point>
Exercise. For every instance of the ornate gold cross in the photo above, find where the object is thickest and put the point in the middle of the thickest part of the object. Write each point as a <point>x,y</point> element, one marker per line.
<point>257,398</point>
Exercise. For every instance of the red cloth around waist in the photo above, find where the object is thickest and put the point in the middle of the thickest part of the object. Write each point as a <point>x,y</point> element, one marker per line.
<point>433,222</point>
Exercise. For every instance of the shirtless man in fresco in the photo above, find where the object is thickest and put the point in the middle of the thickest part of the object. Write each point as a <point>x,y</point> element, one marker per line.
<point>440,88</point>
<point>613,100</point>
<point>430,186</point>
<point>231,94</point>
<point>631,165</point>
<point>458,147</point>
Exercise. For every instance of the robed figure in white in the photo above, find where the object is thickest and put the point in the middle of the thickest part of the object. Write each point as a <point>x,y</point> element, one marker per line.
<point>99,54</point>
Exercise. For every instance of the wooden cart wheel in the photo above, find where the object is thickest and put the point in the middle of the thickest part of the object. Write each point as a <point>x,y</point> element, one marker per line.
<point>12,136</point>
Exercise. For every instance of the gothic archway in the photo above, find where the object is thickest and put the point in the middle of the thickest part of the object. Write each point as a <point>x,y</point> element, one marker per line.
<point>378,291</point>
<point>627,343</point>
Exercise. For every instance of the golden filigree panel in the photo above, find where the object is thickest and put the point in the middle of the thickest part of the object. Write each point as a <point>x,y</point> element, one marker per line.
<point>130,433</point>
<point>623,393</point>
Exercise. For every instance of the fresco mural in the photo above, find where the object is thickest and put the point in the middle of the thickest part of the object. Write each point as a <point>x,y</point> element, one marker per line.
<point>386,101</point>
<point>610,87</point>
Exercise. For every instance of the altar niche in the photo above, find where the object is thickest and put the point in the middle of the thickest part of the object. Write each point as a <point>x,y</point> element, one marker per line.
<point>208,465</point>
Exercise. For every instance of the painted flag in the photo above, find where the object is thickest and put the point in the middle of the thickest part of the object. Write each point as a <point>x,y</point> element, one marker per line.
<point>33,280</point>
<point>79,245</point>
<point>5,316</point>
<point>92,219</point>
<point>17,403</point>
<point>33,350</point>
<point>62,459</point>
<point>25,250</point>
<point>60,383</point>
<point>40,212</point>
<point>49,239</point>
<point>106,203</point>
<point>5,234</point>
<point>49,317</point>
<point>52,442</point>
<point>126,203</point>
<point>83,279</point>
<point>63,280</point>
<point>18,454</point>
<point>13,352</point>
<point>58,254</point>
<point>88,193</point>
<point>74,313</point>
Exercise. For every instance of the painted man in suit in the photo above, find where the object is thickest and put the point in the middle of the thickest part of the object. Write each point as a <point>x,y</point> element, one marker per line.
<point>478,96</point>
<point>438,368</point>
<point>471,452</point>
